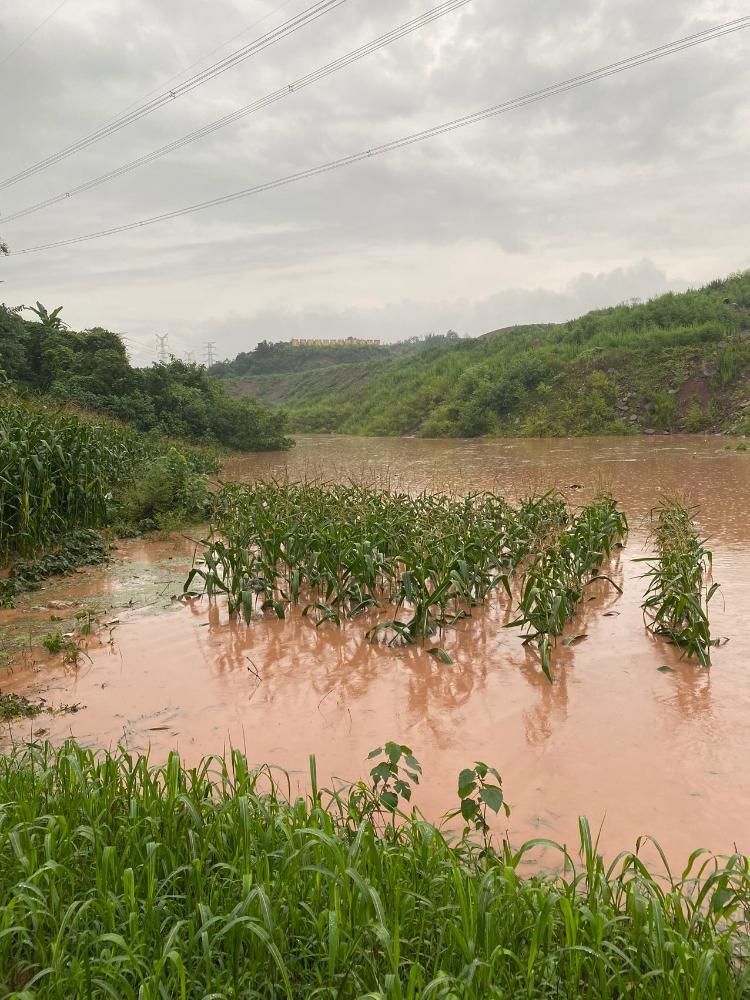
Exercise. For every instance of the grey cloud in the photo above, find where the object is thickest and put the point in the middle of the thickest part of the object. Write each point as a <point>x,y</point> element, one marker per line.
<point>398,320</point>
<point>495,221</point>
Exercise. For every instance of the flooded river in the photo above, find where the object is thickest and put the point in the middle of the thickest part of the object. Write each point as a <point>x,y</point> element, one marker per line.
<point>640,749</point>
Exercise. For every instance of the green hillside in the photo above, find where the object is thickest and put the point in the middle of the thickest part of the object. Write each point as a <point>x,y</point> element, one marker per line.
<point>680,362</point>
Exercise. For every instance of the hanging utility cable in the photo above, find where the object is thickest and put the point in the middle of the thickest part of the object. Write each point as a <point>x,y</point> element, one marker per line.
<point>179,90</point>
<point>632,62</point>
<point>196,62</point>
<point>277,95</point>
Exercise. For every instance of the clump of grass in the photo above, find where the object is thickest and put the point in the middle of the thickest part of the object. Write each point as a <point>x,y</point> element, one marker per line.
<point>118,879</point>
<point>78,548</point>
<point>675,606</point>
<point>53,642</point>
<point>555,579</point>
<point>71,644</point>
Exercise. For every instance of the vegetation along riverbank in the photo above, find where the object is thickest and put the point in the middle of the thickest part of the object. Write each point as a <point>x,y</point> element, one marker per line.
<point>90,370</point>
<point>87,442</point>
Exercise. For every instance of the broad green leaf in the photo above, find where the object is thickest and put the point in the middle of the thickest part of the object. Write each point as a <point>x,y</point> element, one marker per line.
<point>492,796</point>
<point>469,809</point>
<point>389,800</point>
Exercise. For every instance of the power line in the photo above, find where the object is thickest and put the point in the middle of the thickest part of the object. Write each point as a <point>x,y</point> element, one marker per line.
<point>31,34</point>
<point>572,83</point>
<point>447,7</point>
<point>289,27</point>
<point>197,62</point>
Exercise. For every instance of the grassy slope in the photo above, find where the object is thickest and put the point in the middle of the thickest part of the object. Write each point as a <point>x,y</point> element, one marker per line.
<point>305,387</point>
<point>677,363</point>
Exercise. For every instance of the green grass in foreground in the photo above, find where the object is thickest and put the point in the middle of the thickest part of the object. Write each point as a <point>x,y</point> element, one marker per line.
<point>122,881</point>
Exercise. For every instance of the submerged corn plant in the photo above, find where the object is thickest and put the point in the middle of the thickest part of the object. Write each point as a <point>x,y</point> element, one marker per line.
<point>555,578</point>
<point>119,879</point>
<point>675,606</point>
<point>343,549</point>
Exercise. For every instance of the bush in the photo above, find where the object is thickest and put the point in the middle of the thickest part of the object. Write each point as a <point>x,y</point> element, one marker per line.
<point>169,491</point>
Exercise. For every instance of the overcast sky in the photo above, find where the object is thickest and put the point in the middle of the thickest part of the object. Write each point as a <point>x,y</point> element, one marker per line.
<point>625,188</point>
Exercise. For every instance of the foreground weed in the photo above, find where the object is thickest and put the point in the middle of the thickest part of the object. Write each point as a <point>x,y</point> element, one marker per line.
<point>675,605</point>
<point>120,879</point>
<point>392,775</point>
<point>477,793</point>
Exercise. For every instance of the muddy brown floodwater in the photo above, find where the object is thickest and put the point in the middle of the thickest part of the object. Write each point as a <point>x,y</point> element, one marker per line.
<point>639,749</point>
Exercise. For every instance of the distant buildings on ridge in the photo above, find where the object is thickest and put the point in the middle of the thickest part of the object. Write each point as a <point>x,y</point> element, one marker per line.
<point>347,342</point>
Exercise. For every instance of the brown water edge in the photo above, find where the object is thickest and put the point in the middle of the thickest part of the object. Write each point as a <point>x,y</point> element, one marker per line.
<point>613,738</point>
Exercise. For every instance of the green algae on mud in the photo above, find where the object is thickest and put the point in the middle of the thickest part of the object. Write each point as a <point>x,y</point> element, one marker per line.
<point>83,547</point>
<point>17,706</point>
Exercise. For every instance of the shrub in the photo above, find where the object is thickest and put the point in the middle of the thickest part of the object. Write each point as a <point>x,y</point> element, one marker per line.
<point>169,491</point>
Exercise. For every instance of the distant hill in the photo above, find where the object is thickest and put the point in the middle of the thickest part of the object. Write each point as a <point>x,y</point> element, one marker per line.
<point>272,359</point>
<point>680,362</point>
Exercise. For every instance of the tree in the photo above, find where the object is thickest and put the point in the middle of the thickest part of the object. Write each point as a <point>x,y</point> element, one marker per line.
<point>49,320</point>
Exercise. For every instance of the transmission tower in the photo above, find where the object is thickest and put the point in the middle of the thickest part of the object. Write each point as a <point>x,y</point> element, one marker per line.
<point>210,354</point>
<point>188,357</point>
<point>162,352</point>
